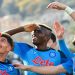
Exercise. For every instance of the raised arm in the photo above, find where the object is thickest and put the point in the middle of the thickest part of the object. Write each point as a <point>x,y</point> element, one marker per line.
<point>59,30</point>
<point>26,28</point>
<point>61,6</point>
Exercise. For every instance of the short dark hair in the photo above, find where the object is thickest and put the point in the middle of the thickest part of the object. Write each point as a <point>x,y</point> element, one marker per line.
<point>45,26</point>
<point>9,39</point>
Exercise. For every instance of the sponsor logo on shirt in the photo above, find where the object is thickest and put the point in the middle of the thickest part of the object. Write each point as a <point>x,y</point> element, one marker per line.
<point>3,72</point>
<point>40,61</point>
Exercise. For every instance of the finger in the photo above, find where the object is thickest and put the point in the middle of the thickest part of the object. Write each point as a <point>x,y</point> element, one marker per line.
<point>56,26</point>
<point>54,6</point>
<point>35,26</point>
<point>62,29</point>
<point>50,5</point>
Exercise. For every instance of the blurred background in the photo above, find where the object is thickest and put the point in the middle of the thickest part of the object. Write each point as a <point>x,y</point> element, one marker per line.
<point>14,13</point>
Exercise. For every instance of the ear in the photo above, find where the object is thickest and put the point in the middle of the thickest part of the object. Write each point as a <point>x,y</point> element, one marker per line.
<point>47,38</point>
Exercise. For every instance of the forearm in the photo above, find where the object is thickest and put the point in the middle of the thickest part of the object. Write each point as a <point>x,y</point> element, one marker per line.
<point>71,12</point>
<point>73,15</point>
<point>65,49</point>
<point>16,30</point>
<point>47,69</point>
<point>26,28</point>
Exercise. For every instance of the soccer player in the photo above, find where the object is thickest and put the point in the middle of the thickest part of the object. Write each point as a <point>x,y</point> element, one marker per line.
<point>41,55</point>
<point>6,45</point>
<point>62,68</point>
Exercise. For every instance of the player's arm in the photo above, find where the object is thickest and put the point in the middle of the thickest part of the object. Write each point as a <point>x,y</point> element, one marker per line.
<point>61,6</point>
<point>63,68</point>
<point>26,28</point>
<point>48,69</point>
<point>59,30</point>
<point>42,69</point>
<point>16,30</point>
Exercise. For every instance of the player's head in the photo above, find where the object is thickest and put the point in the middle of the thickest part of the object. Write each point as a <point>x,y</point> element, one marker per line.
<point>6,43</point>
<point>41,35</point>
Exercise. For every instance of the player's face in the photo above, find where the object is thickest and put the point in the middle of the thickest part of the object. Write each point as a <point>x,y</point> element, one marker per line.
<point>4,45</point>
<point>39,36</point>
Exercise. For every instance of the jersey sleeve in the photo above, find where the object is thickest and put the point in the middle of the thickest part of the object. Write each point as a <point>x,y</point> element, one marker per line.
<point>68,66</point>
<point>65,49</point>
<point>21,49</point>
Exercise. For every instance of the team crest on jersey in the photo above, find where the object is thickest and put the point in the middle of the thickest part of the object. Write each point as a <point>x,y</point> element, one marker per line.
<point>52,54</point>
<point>10,68</point>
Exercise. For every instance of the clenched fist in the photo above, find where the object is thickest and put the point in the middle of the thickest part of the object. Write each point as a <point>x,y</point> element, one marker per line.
<point>30,27</point>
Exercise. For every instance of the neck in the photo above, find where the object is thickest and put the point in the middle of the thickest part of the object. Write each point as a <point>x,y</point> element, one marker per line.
<point>2,57</point>
<point>42,46</point>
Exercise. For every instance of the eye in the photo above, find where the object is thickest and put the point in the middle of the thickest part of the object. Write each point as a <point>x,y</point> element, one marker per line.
<point>3,40</point>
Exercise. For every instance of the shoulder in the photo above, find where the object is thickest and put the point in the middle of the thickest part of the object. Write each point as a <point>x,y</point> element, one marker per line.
<point>20,44</point>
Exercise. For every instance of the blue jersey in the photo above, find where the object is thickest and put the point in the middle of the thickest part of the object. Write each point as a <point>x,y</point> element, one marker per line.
<point>65,49</point>
<point>69,64</point>
<point>36,57</point>
<point>8,69</point>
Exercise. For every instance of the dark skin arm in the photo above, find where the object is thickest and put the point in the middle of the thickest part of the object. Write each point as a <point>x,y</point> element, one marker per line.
<point>16,30</point>
<point>26,28</point>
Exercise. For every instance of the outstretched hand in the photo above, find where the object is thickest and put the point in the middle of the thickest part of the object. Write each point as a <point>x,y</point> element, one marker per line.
<point>57,5</point>
<point>59,29</point>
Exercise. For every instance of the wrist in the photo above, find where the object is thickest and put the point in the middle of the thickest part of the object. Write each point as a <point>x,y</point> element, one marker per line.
<point>69,10</point>
<point>64,7</point>
<point>24,28</point>
<point>28,68</point>
<point>60,38</point>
